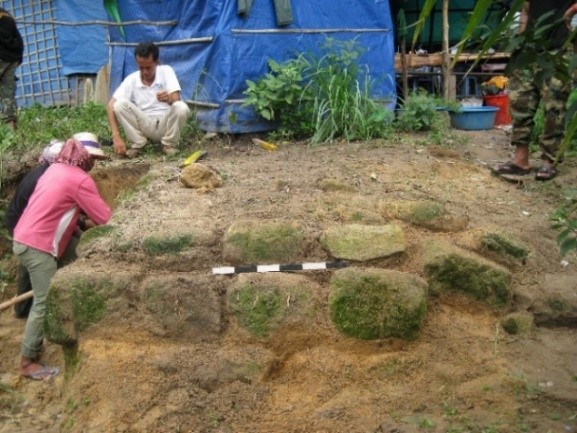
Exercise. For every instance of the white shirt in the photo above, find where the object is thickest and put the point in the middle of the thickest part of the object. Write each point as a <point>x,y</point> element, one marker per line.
<point>144,97</point>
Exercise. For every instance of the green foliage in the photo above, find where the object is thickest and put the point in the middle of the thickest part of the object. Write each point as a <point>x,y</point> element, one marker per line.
<point>281,87</point>
<point>539,123</point>
<point>422,111</point>
<point>323,97</point>
<point>419,113</point>
<point>7,138</point>
<point>565,218</point>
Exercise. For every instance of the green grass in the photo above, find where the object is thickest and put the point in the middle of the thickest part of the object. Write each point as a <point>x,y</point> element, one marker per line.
<point>38,125</point>
<point>256,308</point>
<point>154,246</point>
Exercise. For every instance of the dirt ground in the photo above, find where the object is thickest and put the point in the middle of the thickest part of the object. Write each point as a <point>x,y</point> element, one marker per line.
<point>462,374</point>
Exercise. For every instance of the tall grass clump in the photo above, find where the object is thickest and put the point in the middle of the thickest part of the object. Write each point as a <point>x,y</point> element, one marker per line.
<point>321,97</point>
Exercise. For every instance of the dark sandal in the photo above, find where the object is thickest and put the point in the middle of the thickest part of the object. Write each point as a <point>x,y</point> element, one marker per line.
<point>45,373</point>
<point>546,173</point>
<point>510,168</point>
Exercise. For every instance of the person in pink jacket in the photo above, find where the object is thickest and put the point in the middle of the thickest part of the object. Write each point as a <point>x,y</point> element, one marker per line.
<point>45,228</point>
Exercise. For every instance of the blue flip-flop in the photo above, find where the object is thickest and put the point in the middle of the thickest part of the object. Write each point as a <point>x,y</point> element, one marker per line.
<point>45,374</point>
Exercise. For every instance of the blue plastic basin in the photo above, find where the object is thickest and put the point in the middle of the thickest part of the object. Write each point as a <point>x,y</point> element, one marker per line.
<point>474,118</point>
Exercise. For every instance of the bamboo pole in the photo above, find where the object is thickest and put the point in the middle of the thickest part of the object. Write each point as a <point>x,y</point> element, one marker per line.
<point>16,299</point>
<point>446,67</point>
<point>98,23</point>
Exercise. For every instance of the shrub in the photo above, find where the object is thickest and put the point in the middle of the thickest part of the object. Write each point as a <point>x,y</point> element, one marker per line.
<point>322,97</point>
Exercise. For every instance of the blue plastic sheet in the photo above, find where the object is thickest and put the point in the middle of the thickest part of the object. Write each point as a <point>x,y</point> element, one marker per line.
<point>214,72</point>
<point>83,48</point>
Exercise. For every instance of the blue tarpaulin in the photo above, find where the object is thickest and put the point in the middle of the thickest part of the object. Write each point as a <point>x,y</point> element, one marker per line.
<point>56,54</point>
<point>82,48</point>
<point>214,49</point>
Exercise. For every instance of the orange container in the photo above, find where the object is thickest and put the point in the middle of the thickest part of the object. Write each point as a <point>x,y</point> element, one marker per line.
<point>503,116</point>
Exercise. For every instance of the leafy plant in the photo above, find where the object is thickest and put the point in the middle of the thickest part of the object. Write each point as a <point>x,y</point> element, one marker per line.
<point>565,218</point>
<point>322,97</point>
<point>422,111</point>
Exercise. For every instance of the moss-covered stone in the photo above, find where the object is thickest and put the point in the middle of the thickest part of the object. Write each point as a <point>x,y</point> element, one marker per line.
<point>75,305</point>
<point>55,321</point>
<point>450,268</point>
<point>154,246</point>
<point>376,303</point>
<point>518,323</point>
<point>362,242</point>
<point>182,306</point>
<point>258,241</point>
<point>421,213</point>
<point>503,244</point>
<point>263,303</point>
<point>256,308</point>
<point>426,213</point>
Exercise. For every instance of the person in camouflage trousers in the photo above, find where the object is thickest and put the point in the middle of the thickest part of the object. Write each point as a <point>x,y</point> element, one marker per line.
<point>11,52</point>
<point>529,86</point>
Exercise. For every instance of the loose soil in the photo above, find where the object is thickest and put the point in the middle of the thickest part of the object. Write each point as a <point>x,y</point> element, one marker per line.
<point>462,374</point>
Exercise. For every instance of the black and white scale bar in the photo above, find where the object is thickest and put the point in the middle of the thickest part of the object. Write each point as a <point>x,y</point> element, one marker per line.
<point>279,267</point>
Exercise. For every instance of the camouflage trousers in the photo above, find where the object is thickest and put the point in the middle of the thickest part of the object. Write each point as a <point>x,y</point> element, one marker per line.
<point>8,90</point>
<point>525,94</point>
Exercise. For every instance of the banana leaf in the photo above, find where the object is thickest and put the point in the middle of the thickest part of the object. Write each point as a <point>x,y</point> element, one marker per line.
<point>111,8</point>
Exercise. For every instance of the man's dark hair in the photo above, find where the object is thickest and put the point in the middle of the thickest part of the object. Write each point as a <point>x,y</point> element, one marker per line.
<point>146,49</point>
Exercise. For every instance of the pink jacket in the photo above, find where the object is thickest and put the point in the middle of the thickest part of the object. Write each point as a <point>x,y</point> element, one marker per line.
<point>49,220</point>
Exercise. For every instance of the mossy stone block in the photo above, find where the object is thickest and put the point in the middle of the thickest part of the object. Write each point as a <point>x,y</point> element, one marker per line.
<point>504,245</point>
<point>154,245</point>
<point>183,306</point>
<point>264,303</point>
<point>75,305</point>
<point>451,268</point>
<point>518,323</point>
<point>371,304</point>
<point>426,213</point>
<point>264,241</point>
<point>363,242</point>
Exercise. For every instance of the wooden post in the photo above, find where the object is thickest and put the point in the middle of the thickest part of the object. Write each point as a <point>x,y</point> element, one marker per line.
<point>446,67</point>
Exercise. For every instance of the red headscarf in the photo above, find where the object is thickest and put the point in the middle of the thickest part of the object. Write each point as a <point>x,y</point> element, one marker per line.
<point>74,153</point>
